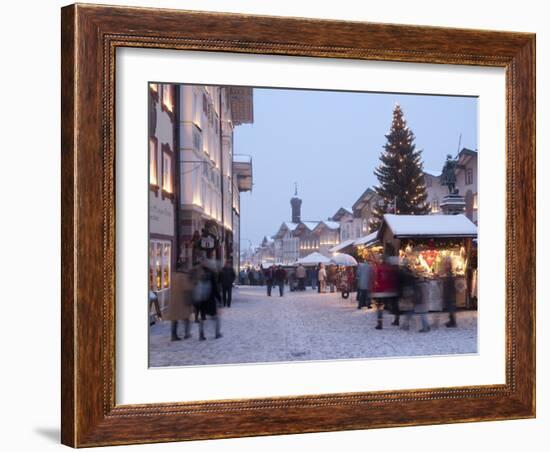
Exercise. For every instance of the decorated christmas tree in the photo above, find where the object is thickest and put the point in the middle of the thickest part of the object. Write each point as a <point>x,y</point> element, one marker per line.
<point>400,175</point>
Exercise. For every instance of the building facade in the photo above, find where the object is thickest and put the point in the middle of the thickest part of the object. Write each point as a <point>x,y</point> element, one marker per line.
<point>363,210</point>
<point>195,185</point>
<point>162,200</point>
<point>296,239</point>
<point>209,204</point>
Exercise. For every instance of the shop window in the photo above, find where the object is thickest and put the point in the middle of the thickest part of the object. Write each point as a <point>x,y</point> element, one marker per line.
<point>475,201</point>
<point>153,166</point>
<point>160,252</point>
<point>435,206</point>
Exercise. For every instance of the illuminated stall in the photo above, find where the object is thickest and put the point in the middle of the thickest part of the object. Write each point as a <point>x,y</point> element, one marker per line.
<point>430,244</point>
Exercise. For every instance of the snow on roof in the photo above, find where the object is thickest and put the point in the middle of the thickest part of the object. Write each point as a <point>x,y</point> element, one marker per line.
<point>430,225</point>
<point>291,225</point>
<point>311,225</point>
<point>331,224</point>
<point>342,245</point>
<point>367,239</point>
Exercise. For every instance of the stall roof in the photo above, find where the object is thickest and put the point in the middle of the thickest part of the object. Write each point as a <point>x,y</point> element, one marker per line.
<point>430,225</point>
<point>342,245</point>
<point>313,259</point>
<point>367,239</point>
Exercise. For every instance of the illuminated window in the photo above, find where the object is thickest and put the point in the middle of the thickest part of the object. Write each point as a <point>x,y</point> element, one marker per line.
<point>475,201</point>
<point>153,167</point>
<point>167,94</point>
<point>435,205</point>
<point>167,173</point>
<point>167,170</point>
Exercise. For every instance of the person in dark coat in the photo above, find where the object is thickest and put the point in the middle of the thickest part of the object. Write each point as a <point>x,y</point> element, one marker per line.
<point>269,276</point>
<point>280,278</point>
<point>227,278</point>
<point>449,294</point>
<point>206,296</point>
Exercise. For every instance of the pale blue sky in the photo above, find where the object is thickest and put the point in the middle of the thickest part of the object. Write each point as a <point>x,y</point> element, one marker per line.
<point>329,142</point>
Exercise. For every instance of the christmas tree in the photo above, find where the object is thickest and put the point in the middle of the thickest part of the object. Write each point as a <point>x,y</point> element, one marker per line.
<point>400,175</point>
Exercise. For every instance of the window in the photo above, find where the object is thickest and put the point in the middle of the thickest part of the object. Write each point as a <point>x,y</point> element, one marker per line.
<point>469,176</point>
<point>167,94</point>
<point>435,206</point>
<point>475,201</point>
<point>167,170</point>
<point>153,167</point>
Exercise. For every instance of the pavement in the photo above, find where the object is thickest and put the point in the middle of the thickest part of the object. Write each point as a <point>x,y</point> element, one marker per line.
<point>306,326</point>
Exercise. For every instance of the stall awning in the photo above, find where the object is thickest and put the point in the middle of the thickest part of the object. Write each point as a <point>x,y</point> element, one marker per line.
<point>342,245</point>
<point>409,226</point>
<point>367,240</point>
<point>313,259</point>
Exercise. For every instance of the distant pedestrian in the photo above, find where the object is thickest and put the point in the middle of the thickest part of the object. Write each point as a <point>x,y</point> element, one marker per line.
<point>364,285</point>
<point>280,278</point>
<point>269,275</point>
<point>227,278</point>
<point>301,276</point>
<point>250,275</point>
<point>322,277</point>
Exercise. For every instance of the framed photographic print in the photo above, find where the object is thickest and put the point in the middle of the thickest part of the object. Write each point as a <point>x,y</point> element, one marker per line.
<point>281,225</point>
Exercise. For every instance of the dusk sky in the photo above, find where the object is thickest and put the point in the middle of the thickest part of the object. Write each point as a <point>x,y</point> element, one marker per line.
<point>329,143</point>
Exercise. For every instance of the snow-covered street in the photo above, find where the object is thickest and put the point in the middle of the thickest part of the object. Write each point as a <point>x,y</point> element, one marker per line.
<point>304,326</point>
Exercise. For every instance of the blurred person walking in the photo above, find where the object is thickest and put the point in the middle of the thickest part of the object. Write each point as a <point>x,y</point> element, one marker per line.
<point>364,285</point>
<point>180,305</point>
<point>301,276</point>
<point>385,288</point>
<point>322,277</point>
<point>206,296</point>
<point>449,294</point>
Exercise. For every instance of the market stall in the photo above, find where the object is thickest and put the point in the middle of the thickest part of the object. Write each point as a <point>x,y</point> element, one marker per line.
<point>368,247</point>
<point>434,246</point>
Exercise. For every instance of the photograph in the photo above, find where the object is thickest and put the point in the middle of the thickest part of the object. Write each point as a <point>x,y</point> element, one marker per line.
<point>289,225</point>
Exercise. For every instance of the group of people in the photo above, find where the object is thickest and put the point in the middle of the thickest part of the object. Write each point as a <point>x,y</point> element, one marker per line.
<point>394,286</point>
<point>198,293</point>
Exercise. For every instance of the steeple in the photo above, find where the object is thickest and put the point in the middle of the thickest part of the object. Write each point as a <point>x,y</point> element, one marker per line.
<point>296,204</point>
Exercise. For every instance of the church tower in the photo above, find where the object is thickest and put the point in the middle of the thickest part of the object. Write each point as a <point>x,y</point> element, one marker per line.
<point>296,204</point>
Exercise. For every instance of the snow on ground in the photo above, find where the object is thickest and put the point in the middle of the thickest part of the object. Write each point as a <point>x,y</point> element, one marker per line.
<point>305,326</point>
